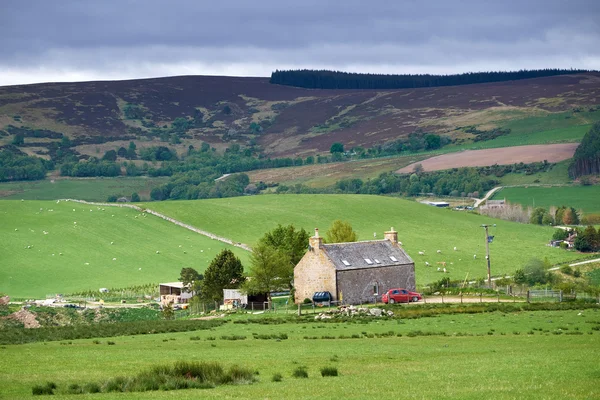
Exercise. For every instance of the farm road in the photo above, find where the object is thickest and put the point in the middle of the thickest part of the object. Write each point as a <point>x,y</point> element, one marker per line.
<point>166,218</point>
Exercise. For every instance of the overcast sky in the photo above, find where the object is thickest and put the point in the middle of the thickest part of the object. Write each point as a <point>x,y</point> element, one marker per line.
<point>73,40</point>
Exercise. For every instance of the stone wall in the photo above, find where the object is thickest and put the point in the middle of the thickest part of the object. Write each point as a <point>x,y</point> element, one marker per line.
<point>314,273</point>
<point>356,286</point>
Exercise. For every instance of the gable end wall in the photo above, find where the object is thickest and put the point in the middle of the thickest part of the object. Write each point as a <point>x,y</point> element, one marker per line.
<point>314,273</point>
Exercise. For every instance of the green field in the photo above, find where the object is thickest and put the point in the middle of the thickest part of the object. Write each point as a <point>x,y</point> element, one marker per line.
<point>558,174</point>
<point>525,355</point>
<point>420,227</point>
<point>41,270</point>
<point>90,189</point>
<point>586,198</point>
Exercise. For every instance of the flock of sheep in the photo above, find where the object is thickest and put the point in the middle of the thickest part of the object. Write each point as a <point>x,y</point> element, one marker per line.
<point>443,263</point>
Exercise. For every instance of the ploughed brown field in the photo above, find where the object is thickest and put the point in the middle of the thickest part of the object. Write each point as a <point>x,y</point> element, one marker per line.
<point>501,156</point>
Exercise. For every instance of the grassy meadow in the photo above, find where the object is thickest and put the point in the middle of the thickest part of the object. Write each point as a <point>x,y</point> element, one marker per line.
<point>83,235</point>
<point>500,355</point>
<point>420,227</point>
<point>586,198</point>
<point>89,189</point>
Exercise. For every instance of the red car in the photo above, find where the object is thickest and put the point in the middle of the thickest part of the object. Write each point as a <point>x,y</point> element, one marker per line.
<point>400,296</point>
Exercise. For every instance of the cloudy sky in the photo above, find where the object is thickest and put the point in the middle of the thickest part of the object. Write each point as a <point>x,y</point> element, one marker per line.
<point>73,40</point>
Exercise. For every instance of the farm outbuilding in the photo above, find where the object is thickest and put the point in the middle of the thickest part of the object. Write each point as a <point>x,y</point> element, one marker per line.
<point>173,292</point>
<point>356,272</point>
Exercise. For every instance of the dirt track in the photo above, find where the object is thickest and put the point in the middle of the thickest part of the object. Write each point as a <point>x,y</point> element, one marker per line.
<point>501,156</point>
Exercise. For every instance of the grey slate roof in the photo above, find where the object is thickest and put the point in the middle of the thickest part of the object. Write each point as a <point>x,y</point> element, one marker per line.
<point>356,253</point>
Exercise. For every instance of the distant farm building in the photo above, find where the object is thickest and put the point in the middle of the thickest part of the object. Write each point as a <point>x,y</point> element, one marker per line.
<point>440,204</point>
<point>173,292</point>
<point>357,272</point>
<point>494,205</point>
<point>234,298</point>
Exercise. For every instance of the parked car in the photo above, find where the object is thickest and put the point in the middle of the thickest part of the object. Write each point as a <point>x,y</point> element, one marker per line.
<point>400,295</point>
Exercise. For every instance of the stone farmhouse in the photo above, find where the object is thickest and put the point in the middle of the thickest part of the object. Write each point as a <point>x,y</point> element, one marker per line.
<point>358,272</point>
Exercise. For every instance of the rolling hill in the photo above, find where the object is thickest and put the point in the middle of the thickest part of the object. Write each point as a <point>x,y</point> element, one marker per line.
<point>420,227</point>
<point>88,247</point>
<point>285,120</point>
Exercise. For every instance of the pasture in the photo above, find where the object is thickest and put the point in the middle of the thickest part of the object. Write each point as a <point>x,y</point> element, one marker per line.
<point>586,198</point>
<point>501,355</point>
<point>89,189</point>
<point>76,252</point>
<point>420,228</point>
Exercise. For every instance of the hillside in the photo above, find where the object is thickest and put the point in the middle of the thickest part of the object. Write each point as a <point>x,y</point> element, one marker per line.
<point>284,120</point>
<point>420,227</point>
<point>80,243</point>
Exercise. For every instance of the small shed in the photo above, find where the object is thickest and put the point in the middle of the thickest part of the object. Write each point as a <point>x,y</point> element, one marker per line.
<point>235,298</point>
<point>173,292</point>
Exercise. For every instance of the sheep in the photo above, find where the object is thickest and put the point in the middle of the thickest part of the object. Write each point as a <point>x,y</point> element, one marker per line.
<point>157,252</point>
<point>444,270</point>
<point>474,256</point>
<point>73,209</point>
<point>455,248</point>
<point>74,222</point>
<point>439,269</point>
<point>139,269</point>
<point>427,264</point>
<point>16,229</point>
<point>60,254</point>
<point>114,259</point>
<point>87,263</point>
<point>112,242</point>
<point>400,243</point>
<point>421,253</point>
<point>439,252</point>
<point>179,246</point>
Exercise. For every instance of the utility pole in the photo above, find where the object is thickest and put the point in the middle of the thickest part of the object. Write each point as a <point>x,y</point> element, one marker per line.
<point>488,239</point>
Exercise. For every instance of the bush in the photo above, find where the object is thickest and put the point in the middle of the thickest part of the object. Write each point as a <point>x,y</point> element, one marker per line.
<point>329,371</point>
<point>566,269</point>
<point>277,377</point>
<point>48,388</point>
<point>300,372</point>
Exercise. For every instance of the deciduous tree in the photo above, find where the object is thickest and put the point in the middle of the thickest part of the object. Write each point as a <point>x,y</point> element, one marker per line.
<point>271,270</point>
<point>224,272</point>
<point>340,232</point>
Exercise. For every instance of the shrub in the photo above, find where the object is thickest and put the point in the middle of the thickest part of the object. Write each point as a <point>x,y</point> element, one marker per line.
<point>110,343</point>
<point>277,377</point>
<point>566,269</point>
<point>300,372</point>
<point>329,371</point>
<point>48,388</point>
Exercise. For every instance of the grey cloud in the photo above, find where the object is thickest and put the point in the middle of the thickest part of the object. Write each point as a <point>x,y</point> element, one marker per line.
<point>109,37</point>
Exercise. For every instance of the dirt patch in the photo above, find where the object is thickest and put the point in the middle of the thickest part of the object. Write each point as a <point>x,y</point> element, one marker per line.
<point>208,317</point>
<point>501,156</point>
<point>27,318</point>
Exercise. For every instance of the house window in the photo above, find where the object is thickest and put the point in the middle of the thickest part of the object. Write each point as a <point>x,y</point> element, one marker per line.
<point>393,258</point>
<point>368,261</point>
<point>377,261</point>
<point>375,289</point>
<point>346,263</point>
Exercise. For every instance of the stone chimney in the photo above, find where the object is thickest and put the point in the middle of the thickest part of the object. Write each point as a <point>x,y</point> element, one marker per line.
<point>316,242</point>
<point>392,236</point>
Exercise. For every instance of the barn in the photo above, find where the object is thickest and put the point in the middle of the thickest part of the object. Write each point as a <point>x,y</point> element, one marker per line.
<point>356,272</point>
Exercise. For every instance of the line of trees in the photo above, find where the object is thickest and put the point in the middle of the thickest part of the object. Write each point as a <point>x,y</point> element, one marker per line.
<point>586,160</point>
<point>17,166</point>
<point>325,79</point>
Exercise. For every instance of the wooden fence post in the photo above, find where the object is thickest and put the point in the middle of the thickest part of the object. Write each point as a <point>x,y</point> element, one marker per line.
<point>528,299</point>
